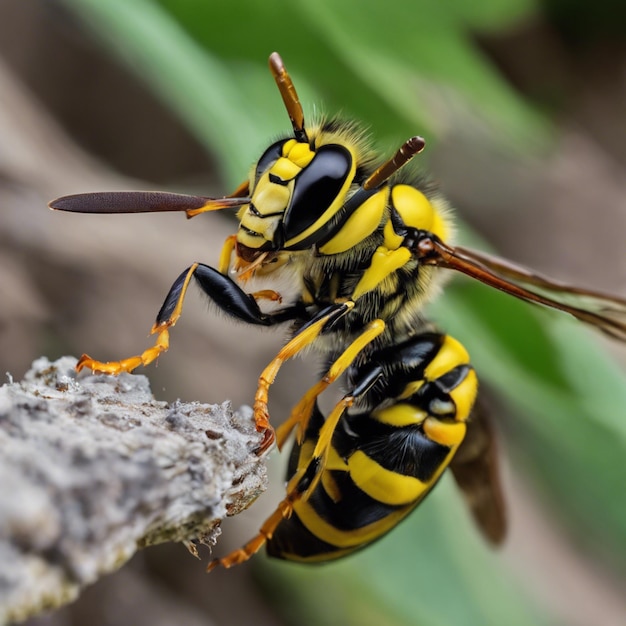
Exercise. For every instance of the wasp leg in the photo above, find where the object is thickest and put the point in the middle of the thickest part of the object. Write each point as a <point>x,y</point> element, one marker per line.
<point>299,487</point>
<point>283,511</point>
<point>173,305</point>
<point>267,294</point>
<point>227,254</point>
<point>303,338</point>
<point>222,290</point>
<point>304,481</point>
<point>302,411</point>
<point>319,458</point>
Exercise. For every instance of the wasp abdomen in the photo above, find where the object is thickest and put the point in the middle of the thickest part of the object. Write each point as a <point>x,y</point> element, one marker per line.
<point>387,452</point>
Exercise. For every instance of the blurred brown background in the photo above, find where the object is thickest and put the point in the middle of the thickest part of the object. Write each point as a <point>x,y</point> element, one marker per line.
<point>73,120</point>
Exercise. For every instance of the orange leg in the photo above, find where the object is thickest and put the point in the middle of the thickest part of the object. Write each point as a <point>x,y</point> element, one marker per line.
<point>217,285</point>
<point>267,294</point>
<point>305,337</point>
<point>162,343</point>
<point>283,511</point>
<point>114,368</point>
<point>304,482</point>
<point>295,491</point>
<point>322,447</point>
<point>227,253</point>
<point>302,411</point>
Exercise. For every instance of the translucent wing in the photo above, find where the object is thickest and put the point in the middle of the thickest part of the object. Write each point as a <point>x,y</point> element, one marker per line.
<point>475,469</point>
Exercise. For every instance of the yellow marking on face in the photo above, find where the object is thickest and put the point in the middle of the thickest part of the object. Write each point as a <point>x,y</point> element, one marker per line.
<point>285,169</point>
<point>257,224</point>
<point>288,145</point>
<point>269,197</point>
<point>249,240</point>
<point>360,225</point>
<point>300,154</point>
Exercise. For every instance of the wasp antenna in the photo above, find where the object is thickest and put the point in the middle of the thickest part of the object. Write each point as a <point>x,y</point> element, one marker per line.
<point>407,151</point>
<point>289,95</point>
<point>144,202</point>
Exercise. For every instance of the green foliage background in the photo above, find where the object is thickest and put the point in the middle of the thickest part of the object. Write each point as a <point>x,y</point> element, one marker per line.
<point>403,67</point>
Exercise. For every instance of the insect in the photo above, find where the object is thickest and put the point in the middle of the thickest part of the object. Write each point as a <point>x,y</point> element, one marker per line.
<point>366,243</point>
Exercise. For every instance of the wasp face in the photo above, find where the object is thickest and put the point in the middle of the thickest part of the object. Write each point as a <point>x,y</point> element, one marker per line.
<point>296,191</point>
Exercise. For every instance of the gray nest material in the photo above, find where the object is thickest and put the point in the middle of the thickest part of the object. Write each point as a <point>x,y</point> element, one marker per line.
<point>92,468</point>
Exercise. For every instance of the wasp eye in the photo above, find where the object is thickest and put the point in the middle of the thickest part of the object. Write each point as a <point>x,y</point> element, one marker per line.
<point>268,158</point>
<point>316,188</point>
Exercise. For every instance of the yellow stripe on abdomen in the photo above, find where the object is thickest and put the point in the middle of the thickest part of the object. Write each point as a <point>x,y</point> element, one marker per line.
<point>349,538</point>
<point>382,484</point>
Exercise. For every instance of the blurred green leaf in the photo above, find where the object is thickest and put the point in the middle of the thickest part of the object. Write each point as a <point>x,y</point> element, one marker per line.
<point>488,15</point>
<point>420,70</point>
<point>423,62</point>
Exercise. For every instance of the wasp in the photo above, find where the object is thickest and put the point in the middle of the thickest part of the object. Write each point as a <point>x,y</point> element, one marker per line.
<point>366,244</point>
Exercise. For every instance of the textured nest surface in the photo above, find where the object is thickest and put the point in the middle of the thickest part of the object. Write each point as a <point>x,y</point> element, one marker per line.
<point>92,467</point>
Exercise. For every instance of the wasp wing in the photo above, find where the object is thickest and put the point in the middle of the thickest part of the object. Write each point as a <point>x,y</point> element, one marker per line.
<point>475,469</point>
<point>144,202</point>
<point>604,311</point>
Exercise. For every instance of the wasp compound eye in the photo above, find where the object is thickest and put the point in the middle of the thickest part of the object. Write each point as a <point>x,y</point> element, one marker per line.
<point>317,196</point>
<point>269,157</point>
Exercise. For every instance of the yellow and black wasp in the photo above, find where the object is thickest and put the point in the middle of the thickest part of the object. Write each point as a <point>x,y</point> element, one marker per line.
<point>365,243</point>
